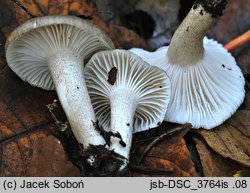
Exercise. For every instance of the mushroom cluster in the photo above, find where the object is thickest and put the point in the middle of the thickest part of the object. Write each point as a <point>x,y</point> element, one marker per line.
<point>193,80</point>
<point>207,85</point>
<point>128,94</point>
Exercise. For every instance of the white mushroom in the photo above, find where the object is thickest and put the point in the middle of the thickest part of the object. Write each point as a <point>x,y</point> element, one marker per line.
<point>128,95</point>
<point>49,52</point>
<point>207,84</point>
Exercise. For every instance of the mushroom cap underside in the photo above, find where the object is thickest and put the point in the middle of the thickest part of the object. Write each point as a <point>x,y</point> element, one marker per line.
<point>30,46</point>
<point>204,94</point>
<point>150,85</point>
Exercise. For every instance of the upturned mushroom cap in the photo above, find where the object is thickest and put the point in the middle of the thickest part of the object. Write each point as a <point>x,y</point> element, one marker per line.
<point>205,93</point>
<point>108,71</point>
<point>207,84</point>
<point>30,46</point>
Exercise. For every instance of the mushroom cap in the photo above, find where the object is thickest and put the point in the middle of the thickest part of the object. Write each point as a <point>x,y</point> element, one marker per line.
<point>150,85</point>
<point>29,46</point>
<point>206,93</point>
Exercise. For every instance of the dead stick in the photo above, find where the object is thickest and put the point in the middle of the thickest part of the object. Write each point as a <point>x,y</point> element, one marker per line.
<point>24,8</point>
<point>185,127</point>
<point>62,126</point>
<point>235,43</point>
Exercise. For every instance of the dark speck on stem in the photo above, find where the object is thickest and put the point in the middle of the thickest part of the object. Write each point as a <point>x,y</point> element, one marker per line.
<point>122,143</point>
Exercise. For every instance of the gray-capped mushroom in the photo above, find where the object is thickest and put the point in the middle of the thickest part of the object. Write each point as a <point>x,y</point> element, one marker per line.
<point>207,84</point>
<point>128,96</point>
<point>49,52</point>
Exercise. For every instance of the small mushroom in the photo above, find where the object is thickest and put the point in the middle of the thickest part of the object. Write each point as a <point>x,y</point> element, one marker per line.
<point>128,96</point>
<point>49,52</point>
<point>207,84</point>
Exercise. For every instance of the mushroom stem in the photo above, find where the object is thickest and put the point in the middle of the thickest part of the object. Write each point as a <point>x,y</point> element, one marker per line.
<point>66,69</point>
<point>186,46</point>
<point>123,104</point>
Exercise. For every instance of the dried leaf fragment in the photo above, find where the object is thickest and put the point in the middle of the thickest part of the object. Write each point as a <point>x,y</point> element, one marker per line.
<point>112,75</point>
<point>228,141</point>
<point>213,164</point>
<point>170,154</point>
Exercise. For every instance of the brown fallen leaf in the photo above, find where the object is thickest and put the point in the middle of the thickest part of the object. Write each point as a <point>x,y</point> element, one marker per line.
<point>232,138</point>
<point>228,141</point>
<point>241,119</point>
<point>35,8</point>
<point>50,159</point>
<point>124,38</point>
<point>213,164</point>
<point>173,158</point>
<point>25,127</point>
<point>170,154</point>
<point>35,154</point>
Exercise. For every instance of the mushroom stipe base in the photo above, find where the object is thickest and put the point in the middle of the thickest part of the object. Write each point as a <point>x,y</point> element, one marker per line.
<point>95,160</point>
<point>99,161</point>
<point>214,7</point>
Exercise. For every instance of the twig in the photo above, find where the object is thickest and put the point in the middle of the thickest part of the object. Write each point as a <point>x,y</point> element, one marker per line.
<point>185,127</point>
<point>61,125</point>
<point>43,126</point>
<point>24,8</point>
<point>237,42</point>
